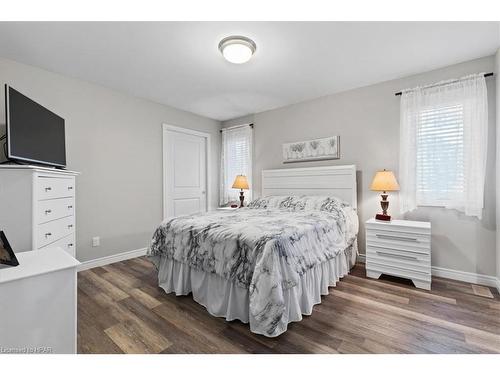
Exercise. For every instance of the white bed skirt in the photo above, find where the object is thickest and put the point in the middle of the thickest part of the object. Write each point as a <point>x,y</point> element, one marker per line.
<point>224,299</point>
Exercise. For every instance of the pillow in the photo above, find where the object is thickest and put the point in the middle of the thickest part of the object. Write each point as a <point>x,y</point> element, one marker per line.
<point>259,203</point>
<point>293,203</point>
<point>276,201</point>
<point>296,203</point>
<point>324,203</point>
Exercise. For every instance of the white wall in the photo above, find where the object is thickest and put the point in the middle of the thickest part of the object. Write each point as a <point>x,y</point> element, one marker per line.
<point>115,141</point>
<point>497,72</point>
<point>367,120</point>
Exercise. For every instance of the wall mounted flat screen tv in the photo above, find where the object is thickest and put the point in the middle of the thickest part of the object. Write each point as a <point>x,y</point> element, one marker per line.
<point>34,134</point>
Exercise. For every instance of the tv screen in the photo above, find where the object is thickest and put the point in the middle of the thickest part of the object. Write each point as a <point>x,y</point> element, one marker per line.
<point>34,134</point>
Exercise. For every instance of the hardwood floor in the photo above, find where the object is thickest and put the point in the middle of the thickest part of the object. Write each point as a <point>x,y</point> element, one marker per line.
<point>121,310</point>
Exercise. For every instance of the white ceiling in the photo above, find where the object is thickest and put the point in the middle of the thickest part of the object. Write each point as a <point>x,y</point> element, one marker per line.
<point>177,63</point>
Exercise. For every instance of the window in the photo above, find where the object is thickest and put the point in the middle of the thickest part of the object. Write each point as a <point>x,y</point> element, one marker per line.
<point>236,159</point>
<point>440,156</point>
<point>443,145</point>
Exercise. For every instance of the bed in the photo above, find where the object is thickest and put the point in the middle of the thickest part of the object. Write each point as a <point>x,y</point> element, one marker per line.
<point>267,264</point>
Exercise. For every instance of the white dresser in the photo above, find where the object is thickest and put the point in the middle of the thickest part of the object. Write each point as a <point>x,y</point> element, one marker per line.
<point>38,303</point>
<point>399,248</point>
<point>37,207</point>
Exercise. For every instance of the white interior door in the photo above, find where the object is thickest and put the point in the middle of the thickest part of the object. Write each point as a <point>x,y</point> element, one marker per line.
<point>185,171</point>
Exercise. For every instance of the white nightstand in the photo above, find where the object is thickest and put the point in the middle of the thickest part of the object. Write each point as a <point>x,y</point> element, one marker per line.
<point>227,209</point>
<point>399,248</point>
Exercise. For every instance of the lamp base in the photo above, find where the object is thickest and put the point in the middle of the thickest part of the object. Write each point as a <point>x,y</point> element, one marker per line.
<point>242,199</point>
<point>383,217</point>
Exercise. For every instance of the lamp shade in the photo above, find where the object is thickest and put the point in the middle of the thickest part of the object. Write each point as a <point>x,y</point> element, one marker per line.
<point>240,182</point>
<point>384,181</point>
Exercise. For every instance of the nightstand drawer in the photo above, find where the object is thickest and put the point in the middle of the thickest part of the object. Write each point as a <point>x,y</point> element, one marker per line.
<point>414,247</point>
<point>227,209</point>
<point>394,270</point>
<point>398,253</point>
<point>411,261</point>
<point>400,226</point>
<point>406,240</point>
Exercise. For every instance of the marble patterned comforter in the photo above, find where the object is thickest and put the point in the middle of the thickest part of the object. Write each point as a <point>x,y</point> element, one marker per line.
<point>265,247</point>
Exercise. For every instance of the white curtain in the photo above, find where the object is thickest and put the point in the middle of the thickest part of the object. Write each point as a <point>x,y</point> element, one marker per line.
<point>443,145</point>
<point>236,158</point>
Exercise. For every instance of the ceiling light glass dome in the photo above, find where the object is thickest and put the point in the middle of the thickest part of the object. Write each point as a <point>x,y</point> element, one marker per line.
<point>237,49</point>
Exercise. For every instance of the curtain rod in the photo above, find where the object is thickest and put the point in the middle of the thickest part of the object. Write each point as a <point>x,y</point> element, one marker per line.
<point>236,127</point>
<point>439,84</point>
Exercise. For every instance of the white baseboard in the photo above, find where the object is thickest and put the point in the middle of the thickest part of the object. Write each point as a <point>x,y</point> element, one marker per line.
<point>468,277</point>
<point>111,259</point>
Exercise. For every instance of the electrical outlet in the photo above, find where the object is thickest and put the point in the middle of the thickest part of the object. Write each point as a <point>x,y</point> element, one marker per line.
<point>96,241</point>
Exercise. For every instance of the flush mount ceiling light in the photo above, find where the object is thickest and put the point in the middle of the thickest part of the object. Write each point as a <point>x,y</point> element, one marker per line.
<point>237,49</point>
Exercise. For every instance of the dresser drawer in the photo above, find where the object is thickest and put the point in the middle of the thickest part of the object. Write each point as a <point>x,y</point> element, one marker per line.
<point>67,244</point>
<point>53,209</point>
<point>53,187</point>
<point>55,230</point>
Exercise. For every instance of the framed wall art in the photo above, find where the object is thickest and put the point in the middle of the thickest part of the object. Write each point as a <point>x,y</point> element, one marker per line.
<point>315,149</point>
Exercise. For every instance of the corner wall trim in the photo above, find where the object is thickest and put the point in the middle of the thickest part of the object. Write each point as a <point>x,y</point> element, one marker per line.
<point>468,277</point>
<point>111,259</point>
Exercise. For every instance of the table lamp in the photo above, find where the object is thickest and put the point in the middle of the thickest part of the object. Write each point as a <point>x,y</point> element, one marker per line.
<point>241,182</point>
<point>384,181</point>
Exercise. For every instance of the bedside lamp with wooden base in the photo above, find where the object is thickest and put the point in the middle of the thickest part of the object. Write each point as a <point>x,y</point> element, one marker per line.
<point>384,181</point>
<point>241,182</point>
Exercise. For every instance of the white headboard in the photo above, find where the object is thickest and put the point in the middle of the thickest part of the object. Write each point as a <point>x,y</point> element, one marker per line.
<point>338,180</point>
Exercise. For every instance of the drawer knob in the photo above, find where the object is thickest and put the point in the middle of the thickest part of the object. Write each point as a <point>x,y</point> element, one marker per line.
<point>48,212</point>
<point>70,207</point>
<point>388,237</point>
<point>48,234</point>
<point>48,188</point>
<point>70,226</point>
<point>70,187</point>
<point>70,245</point>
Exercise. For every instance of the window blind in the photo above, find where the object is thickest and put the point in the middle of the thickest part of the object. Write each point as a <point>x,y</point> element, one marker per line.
<point>443,145</point>
<point>236,159</point>
<point>440,155</point>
